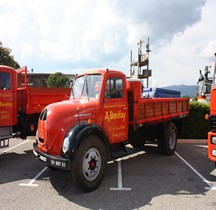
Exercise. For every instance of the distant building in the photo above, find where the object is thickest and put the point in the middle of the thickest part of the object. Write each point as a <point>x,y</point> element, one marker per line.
<point>40,79</point>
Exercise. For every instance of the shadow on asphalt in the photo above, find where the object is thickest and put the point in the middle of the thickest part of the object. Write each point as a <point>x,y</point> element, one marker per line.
<point>16,167</point>
<point>149,175</point>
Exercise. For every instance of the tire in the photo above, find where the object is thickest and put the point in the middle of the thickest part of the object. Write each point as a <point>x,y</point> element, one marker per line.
<point>169,141</point>
<point>89,165</point>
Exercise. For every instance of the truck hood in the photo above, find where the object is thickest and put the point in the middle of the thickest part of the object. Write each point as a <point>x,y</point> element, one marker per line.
<point>56,120</point>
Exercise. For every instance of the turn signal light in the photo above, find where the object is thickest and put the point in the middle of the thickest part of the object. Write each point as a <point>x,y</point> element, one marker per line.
<point>207,116</point>
<point>90,121</point>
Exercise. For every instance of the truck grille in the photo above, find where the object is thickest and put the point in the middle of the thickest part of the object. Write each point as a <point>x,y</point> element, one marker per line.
<point>213,123</point>
<point>43,115</point>
<point>41,140</point>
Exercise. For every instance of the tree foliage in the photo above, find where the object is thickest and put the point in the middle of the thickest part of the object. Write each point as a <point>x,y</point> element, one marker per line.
<point>57,80</point>
<point>6,58</point>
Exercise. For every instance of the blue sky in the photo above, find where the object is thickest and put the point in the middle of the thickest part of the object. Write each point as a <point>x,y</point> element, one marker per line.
<point>73,36</point>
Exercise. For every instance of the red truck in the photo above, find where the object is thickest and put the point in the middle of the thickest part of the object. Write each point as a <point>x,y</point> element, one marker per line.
<point>212,118</point>
<point>105,112</point>
<point>21,104</point>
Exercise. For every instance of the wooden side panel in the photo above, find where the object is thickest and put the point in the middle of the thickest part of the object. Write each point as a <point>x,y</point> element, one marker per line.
<point>159,110</point>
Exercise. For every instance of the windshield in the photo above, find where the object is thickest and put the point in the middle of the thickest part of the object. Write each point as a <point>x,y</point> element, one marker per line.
<point>87,86</point>
<point>5,81</point>
<point>204,88</point>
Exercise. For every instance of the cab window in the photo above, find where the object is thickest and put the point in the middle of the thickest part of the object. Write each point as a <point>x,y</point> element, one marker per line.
<point>5,81</point>
<point>114,88</point>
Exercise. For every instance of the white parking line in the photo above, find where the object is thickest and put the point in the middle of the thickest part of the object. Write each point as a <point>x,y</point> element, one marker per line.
<point>30,184</point>
<point>120,187</point>
<point>13,147</point>
<point>210,185</point>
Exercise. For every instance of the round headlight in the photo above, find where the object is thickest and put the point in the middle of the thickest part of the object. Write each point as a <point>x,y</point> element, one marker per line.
<point>214,140</point>
<point>65,145</point>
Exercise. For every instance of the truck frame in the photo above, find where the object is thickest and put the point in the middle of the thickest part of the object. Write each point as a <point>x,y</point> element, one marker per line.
<point>95,125</point>
<point>21,104</point>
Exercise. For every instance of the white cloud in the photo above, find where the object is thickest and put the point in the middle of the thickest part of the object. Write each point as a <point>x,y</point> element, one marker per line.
<point>75,35</point>
<point>179,61</point>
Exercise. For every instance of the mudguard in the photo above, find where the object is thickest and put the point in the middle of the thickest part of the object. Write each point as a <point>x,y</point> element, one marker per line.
<point>80,131</point>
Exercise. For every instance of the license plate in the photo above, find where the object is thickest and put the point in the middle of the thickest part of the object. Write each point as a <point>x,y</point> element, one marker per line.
<point>58,163</point>
<point>43,158</point>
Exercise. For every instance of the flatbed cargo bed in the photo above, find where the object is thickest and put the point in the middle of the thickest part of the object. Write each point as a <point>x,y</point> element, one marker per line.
<point>156,110</point>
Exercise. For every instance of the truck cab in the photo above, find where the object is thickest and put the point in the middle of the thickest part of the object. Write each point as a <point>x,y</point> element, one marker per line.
<point>8,103</point>
<point>99,99</point>
<point>212,118</point>
<point>21,103</point>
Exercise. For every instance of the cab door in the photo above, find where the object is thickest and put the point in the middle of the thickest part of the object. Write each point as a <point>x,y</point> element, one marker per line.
<point>8,97</point>
<point>115,109</point>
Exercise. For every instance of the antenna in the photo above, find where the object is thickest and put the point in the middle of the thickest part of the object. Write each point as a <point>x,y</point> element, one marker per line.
<point>142,61</point>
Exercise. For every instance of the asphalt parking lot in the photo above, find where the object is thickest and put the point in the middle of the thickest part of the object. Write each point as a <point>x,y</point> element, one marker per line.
<point>143,180</point>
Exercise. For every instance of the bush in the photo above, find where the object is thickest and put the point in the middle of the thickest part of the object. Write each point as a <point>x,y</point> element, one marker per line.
<point>57,80</point>
<point>195,126</point>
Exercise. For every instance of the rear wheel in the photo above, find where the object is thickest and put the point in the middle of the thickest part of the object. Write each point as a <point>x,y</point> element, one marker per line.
<point>89,164</point>
<point>169,142</point>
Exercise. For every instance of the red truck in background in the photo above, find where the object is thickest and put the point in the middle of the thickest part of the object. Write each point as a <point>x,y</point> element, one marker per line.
<point>212,118</point>
<point>204,84</point>
<point>105,112</point>
<point>21,104</point>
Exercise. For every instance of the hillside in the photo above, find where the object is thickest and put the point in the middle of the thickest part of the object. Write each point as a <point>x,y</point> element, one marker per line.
<point>186,90</point>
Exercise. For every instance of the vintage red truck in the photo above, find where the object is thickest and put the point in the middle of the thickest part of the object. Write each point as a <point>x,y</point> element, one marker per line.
<point>105,112</point>
<point>212,132</point>
<point>212,118</point>
<point>21,104</point>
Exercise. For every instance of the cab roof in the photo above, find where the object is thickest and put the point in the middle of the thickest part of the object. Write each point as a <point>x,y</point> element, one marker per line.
<point>102,71</point>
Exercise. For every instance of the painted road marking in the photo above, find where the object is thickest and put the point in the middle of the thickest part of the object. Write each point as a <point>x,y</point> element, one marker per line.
<point>203,146</point>
<point>210,185</point>
<point>30,184</point>
<point>13,147</point>
<point>120,186</point>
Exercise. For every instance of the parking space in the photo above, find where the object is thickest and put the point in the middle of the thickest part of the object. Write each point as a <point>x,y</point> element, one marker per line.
<point>143,180</point>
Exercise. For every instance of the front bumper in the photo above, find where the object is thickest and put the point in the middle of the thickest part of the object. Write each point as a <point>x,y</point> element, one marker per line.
<point>52,161</point>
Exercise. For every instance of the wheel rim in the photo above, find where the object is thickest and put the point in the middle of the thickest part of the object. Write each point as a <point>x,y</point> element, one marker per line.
<point>172,139</point>
<point>91,164</point>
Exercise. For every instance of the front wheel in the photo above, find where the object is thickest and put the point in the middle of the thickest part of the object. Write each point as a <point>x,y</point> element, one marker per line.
<point>89,164</point>
<point>169,141</point>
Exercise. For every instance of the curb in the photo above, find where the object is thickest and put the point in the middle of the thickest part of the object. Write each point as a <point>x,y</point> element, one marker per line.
<point>193,141</point>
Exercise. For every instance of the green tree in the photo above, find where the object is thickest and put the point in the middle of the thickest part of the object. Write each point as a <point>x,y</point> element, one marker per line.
<point>57,80</point>
<point>6,58</point>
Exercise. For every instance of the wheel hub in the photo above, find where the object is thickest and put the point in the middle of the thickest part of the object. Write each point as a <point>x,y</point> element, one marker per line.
<point>91,164</point>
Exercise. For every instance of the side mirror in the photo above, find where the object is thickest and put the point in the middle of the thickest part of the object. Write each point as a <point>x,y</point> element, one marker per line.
<point>70,83</point>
